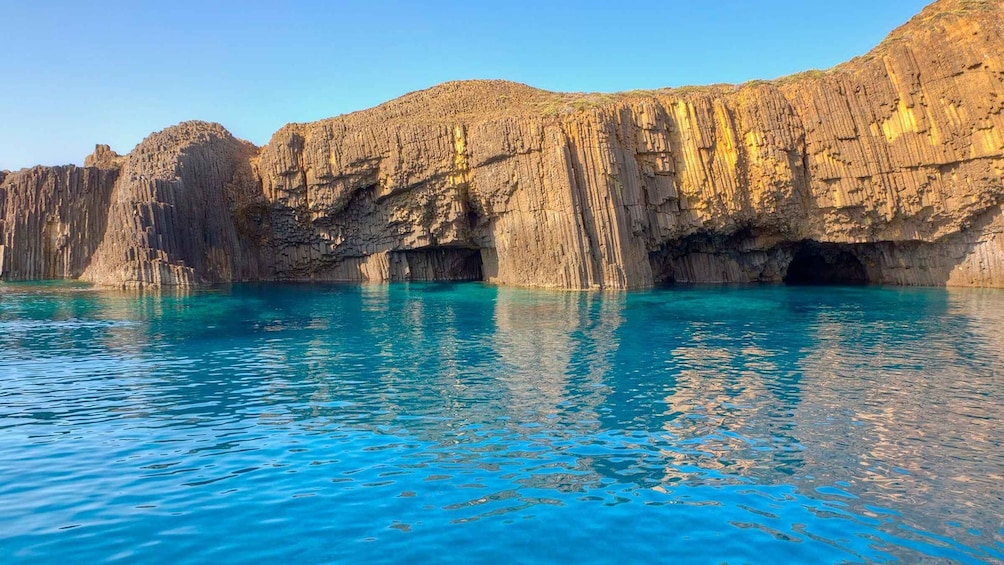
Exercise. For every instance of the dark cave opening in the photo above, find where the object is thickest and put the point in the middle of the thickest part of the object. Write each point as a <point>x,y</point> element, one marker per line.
<point>816,263</point>
<point>437,264</point>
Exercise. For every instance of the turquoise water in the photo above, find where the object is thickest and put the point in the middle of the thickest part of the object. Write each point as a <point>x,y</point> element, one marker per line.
<point>466,423</point>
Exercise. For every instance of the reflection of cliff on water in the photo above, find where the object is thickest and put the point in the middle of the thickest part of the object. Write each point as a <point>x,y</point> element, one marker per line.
<point>890,394</point>
<point>453,362</point>
<point>705,376</point>
<point>423,350</point>
<point>905,408</point>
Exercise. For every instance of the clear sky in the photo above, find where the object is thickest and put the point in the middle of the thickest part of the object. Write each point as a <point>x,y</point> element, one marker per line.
<point>76,73</point>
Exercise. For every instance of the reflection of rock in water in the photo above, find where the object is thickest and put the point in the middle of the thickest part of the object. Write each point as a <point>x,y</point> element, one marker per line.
<point>892,396</point>
<point>728,412</point>
<point>896,409</point>
<point>546,340</point>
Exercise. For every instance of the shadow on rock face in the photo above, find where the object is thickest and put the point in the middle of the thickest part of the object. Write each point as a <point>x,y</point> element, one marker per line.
<point>817,263</point>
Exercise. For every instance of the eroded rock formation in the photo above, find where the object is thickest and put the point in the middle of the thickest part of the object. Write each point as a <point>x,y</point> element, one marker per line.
<point>51,220</point>
<point>186,210</point>
<point>889,166</point>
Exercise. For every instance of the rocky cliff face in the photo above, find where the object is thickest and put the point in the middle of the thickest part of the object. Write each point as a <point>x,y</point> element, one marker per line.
<point>51,220</point>
<point>183,212</point>
<point>885,169</point>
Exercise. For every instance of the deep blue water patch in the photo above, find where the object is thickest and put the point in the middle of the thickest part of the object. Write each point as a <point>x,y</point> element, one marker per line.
<point>467,423</point>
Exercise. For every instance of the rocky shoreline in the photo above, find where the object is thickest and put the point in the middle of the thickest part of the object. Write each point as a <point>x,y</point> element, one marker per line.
<point>886,169</point>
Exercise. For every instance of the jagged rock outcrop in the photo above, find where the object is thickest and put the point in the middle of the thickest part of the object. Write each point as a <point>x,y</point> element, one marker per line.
<point>181,209</point>
<point>185,211</point>
<point>887,168</point>
<point>104,158</point>
<point>897,154</point>
<point>51,220</point>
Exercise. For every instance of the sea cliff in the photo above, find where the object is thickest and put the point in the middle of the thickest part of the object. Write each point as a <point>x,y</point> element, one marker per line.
<point>885,169</point>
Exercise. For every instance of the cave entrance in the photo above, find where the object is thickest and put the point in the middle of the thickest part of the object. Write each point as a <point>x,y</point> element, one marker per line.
<point>437,264</point>
<point>816,263</point>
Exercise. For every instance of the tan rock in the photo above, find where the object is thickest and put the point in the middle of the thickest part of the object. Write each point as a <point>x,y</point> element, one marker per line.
<point>889,165</point>
<point>186,210</point>
<point>902,146</point>
<point>104,158</point>
<point>51,220</point>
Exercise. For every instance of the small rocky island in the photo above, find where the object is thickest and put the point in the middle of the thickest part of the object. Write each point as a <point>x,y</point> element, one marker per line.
<point>886,169</point>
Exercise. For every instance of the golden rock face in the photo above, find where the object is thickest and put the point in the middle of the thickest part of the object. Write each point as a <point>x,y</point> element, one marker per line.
<point>893,159</point>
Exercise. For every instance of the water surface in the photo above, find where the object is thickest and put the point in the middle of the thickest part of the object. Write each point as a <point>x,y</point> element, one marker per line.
<point>467,423</point>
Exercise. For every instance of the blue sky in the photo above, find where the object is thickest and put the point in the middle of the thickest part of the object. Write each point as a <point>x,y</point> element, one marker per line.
<point>76,73</point>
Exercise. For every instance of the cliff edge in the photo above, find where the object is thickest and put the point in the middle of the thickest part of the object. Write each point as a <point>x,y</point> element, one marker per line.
<point>885,169</point>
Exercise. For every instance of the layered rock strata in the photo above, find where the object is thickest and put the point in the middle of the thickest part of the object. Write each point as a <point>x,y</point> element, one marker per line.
<point>885,169</point>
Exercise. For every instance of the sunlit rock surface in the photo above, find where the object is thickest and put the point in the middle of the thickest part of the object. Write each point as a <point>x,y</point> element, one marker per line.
<point>885,169</point>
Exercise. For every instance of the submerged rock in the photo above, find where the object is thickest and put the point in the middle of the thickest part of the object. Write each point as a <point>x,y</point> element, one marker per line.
<point>893,159</point>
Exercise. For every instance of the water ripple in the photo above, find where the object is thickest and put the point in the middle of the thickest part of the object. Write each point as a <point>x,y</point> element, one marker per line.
<point>389,423</point>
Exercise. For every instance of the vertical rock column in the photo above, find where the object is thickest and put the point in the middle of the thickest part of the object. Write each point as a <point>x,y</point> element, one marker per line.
<point>51,220</point>
<point>185,211</point>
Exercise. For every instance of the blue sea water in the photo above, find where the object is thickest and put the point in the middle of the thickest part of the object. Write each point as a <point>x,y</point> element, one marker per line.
<point>460,423</point>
